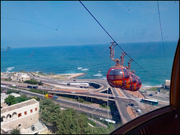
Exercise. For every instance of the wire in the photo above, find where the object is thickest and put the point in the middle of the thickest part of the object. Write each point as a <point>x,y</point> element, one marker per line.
<point>19,20</point>
<point>161,31</point>
<point>111,36</point>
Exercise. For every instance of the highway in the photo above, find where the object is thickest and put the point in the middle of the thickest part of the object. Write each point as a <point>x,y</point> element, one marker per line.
<point>125,100</point>
<point>121,105</point>
<point>105,97</point>
<point>78,106</point>
<point>86,93</point>
<point>121,98</point>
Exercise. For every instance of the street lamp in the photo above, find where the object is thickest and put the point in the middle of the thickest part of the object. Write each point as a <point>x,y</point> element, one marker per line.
<point>107,107</point>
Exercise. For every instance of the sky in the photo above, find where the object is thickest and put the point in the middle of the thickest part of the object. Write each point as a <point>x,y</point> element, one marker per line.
<point>58,23</point>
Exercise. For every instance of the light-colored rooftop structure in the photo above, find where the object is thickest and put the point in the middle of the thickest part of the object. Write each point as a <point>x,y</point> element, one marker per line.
<point>167,84</point>
<point>20,77</point>
<point>22,115</point>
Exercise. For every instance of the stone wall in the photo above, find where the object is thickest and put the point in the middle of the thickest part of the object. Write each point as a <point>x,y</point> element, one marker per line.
<point>22,117</point>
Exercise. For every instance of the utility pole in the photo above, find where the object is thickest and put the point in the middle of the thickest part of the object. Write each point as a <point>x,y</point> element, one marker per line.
<point>107,107</point>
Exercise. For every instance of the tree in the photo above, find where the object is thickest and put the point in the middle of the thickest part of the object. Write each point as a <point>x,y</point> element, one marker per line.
<point>10,100</point>
<point>68,121</point>
<point>9,91</point>
<point>15,132</point>
<point>37,98</point>
<point>49,111</point>
<point>104,105</point>
<point>80,100</point>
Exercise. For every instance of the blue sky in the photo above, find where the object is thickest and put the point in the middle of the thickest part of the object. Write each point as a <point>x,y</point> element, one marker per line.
<point>56,23</point>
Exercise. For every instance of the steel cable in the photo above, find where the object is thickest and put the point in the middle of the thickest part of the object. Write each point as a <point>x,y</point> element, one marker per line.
<point>111,37</point>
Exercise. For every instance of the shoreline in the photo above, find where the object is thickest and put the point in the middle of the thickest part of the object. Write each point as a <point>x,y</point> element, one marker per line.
<point>70,75</point>
<point>53,76</point>
<point>146,87</point>
<point>73,76</point>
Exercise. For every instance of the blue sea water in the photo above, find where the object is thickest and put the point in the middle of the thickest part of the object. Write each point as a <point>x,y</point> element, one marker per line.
<point>94,59</point>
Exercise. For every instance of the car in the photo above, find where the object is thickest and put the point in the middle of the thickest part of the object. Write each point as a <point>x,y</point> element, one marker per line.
<point>131,104</point>
<point>3,85</point>
<point>138,110</point>
<point>73,92</point>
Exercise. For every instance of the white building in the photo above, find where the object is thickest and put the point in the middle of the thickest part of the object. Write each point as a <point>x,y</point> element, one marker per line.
<point>20,77</point>
<point>166,84</point>
<point>24,116</point>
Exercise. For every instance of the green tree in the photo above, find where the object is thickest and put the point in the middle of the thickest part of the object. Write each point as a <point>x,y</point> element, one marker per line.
<point>37,98</point>
<point>22,98</point>
<point>33,81</point>
<point>10,100</point>
<point>68,121</point>
<point>80,100</point>
<point>104,105</point>
<point>49,111</point>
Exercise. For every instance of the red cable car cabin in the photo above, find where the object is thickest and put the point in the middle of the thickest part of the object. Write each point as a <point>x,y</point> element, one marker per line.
<point>135,83</point>
<point>118,76</point>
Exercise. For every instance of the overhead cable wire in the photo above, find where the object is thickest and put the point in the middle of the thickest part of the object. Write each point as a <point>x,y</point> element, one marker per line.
<point>111,36</point>
<point>161,31</point>
<point>25,21</point>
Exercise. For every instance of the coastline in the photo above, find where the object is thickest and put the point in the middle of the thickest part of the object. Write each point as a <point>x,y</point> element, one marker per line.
<point>56,76</point>
<point>69,76</point>
<point>146,87</point>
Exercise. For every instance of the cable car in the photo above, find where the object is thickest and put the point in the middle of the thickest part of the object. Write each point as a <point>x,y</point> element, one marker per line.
<point>135,81</point>
<point>117,76</point>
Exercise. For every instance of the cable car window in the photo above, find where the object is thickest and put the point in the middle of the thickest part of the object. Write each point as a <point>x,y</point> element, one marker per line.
<point>126,75</point>
<point>139,81</point>
<point>111,72</point>
<point>133,78</point>
<point>118,72</point>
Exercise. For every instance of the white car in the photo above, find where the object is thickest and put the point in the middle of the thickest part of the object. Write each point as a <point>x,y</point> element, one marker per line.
<point>3,85</point>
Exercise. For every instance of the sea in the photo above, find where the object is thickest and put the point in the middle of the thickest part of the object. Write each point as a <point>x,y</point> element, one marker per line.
<point>152,60</point>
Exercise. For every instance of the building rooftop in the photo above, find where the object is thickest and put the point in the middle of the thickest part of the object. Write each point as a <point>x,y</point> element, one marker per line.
<point>167,82</point>
<point>18,105</point>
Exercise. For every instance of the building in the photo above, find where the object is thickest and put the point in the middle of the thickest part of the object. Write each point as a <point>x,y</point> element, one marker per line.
<point>24,116</point>
<point>20,77</point>
<point>166,84</point>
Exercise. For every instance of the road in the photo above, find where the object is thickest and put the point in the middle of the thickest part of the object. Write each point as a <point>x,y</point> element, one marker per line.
<point>121,98</point>
<point>86,93</point>
<point>121,105</point>
<point>78,106</point>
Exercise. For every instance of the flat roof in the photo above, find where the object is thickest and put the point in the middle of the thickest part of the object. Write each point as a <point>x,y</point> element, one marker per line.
<point>18,105</point>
